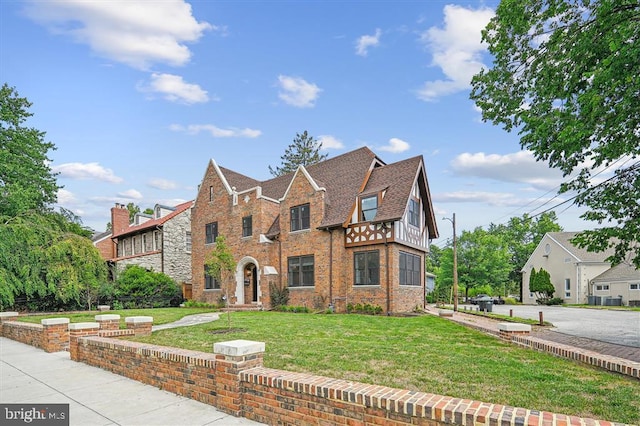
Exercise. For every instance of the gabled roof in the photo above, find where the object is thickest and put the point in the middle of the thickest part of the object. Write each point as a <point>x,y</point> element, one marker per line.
<point>581,255</point>
<point>99,236</point>
<point>150,224</point>
<point>621,272</point>
<point>344,178</point>
<point>397,180</point>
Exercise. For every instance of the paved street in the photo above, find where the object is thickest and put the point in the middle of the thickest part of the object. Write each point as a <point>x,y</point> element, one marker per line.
<point>613,326</point>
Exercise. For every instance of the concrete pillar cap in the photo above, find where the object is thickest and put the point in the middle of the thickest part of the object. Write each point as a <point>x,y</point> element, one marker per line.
<point>238,347</point>
<point>513,326</point>
<point>83,325</point>
<point>8,314</point>
<point>138,320</point>
<point>54,321</point>
<point>107,317</point>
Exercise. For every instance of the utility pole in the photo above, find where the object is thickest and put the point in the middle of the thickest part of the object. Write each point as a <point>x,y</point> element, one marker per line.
<point>455,263</point>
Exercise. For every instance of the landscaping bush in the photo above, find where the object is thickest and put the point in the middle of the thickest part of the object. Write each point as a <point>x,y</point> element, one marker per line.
<point>293,309</point>
<point>366,309</point>
<point>279,296</point>
<point>138,288</point>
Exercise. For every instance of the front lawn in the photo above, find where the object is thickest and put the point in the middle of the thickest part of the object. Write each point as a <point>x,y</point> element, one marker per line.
<point>424,353</point>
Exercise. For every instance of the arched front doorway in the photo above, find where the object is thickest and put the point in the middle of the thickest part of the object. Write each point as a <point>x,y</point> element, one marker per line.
<point>247,281</point>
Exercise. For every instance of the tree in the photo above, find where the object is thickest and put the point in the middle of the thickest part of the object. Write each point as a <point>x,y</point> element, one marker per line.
<point>221,266</point>
<point>26,180</point>
<point>540,283</point>
<point>304,151</point>
<point>137,287</point>
<point>566,75</point>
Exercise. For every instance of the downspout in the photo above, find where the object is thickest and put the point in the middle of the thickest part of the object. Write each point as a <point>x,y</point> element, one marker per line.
<point>280,262</point>
<point>159,228</point>
<point>330,268</point>
<point>386,254</point>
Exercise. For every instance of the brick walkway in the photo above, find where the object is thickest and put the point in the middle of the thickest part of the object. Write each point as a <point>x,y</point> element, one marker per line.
<point>490,325</point>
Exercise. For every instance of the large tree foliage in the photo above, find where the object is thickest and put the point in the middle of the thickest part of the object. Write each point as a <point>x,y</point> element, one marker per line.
<point>522,235</point>
<point>46,258</point>
<point>304,151</point>
<point>566,75</point>
<point>26,180</point>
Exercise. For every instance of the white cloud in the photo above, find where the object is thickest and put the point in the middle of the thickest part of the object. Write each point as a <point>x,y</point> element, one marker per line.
<point>175,89</point>
<point>366,41</point>
<point>498,199</point>
<point>65,197</point>
<point>297,92</point>
<point>86,171</point>
<point>216,132</point>
<point>136,33</point>
<point>163,184</point>
<point>456,49</point>
<point>396,146</point>
<point>132,194</point>
<point>330,142</point>
<point>519,167</point>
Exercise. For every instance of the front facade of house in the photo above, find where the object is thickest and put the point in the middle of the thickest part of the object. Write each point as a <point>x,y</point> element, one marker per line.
<point>348,230</point>
<point>571,269</point>
<point>161,242</point>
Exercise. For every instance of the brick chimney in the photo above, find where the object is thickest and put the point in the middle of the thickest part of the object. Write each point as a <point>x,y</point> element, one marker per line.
<point>119,218</point>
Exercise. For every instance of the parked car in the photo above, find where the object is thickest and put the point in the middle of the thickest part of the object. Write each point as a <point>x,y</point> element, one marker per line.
<point>497,300</point>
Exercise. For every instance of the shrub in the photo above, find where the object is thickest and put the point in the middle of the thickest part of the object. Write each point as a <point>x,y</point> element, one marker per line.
<point>138,288</point>
<point>293,309</point>
<point>554,301</point>
<point>279,295</point>
<point>366,309</point>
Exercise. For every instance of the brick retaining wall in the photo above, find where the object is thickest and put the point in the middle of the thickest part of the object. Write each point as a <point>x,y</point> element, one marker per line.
<point>24,332</point>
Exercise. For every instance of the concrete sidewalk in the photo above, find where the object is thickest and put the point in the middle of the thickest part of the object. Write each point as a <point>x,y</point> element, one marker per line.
<point>95,396</point>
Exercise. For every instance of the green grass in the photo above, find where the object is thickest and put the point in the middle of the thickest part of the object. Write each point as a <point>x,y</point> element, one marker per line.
<point>423,353</point>
<point>160,315</point>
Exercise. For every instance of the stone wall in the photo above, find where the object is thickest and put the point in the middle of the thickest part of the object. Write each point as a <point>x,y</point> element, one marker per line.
<point>177,261</point>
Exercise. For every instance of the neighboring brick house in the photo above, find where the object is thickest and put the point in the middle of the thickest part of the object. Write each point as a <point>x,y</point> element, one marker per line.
<point>347,230</point>
<point>570,268</point>
<point>161,242</point>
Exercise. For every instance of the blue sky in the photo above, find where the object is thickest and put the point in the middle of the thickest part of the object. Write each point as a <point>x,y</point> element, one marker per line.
<point>139,95</point>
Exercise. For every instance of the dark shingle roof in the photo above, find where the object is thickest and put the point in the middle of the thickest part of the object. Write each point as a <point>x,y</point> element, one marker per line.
<point>155,222</point>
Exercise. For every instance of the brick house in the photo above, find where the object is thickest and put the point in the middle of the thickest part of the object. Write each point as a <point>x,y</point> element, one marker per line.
<point>160,242</point>
<point>350,229</point>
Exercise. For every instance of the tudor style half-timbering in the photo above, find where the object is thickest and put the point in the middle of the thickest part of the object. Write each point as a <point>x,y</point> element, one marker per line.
<point>348,230</point>
<point>159,242</point>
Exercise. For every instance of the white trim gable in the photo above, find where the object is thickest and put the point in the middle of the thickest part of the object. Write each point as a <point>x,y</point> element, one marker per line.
<point>221,176</point>
<point>562,247</point>
<point>314,185</point>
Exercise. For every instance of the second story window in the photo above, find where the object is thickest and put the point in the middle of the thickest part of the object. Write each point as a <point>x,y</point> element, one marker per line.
<point>300,217</point>
<point>368,208</point>
<point>247,226</point>
<point>414,212</point>
<point>211,232</point>
<point>187,242</point>
<point>211,193</point>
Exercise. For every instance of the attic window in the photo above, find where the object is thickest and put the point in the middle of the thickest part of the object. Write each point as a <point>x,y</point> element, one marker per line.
<point>414,212</point>
<point>368,208</point>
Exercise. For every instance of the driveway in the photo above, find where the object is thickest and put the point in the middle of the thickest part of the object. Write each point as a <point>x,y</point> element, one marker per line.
<point>612,326</point>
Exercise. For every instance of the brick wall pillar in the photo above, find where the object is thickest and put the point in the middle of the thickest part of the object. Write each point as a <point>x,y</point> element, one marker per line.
<point>55,334</point>
<point>232,358</point>
<point>509,329</point>
<point>108,321</point>
<point>7,316</point>
<point>77,331</point>
<point>140,325</point>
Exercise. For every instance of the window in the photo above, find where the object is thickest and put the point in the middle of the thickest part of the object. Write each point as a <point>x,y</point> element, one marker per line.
<point>567,288</point>
<point>300,217</point>
<point>301,271</point>
<point>247,226</point>
<point>414,212</point>
<point>211,193</point>
<point>147,242</point>
<point>369,208</point>
<point>128,246</point>
<point>634,286</point>
<point>187,242</point>
<point>157,240</point>
<point>602,287</point>
<point>211,232</point>
<point>137,245</point>
<point>210,283</point>
<point>367,268</point>
<point>410,269</point>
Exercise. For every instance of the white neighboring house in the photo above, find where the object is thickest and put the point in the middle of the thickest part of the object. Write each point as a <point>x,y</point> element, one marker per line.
<point>571,268</point>
<point>619,285</point>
